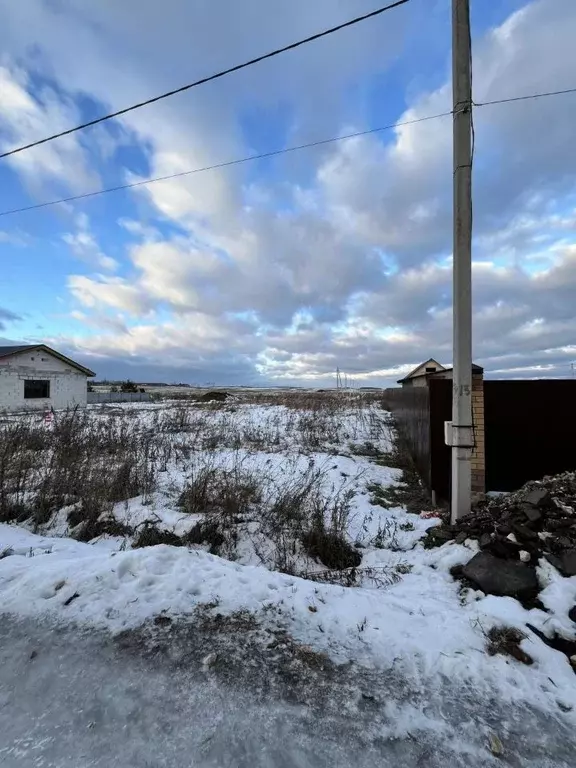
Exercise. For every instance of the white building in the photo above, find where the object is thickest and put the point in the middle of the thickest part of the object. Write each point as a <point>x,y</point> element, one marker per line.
<point>35,376</point>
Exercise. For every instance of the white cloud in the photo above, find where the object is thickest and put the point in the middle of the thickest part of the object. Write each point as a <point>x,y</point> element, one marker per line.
<point>532,325</point>
<point>25,118</point>
<point>340,255</point>
<point>15,237</point>
<point>400,195</point>
<point>101,321</point>
<point>109,292</point>
<point>84,246</point>
<point>175,273</point>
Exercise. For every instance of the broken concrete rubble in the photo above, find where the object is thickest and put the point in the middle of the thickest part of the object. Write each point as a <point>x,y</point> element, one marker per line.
<point>537,497</point>
<point>565,562</point>
<point>513,533</point>
<point>496,576</point>
<point>532,513</point>
<point>539,519</point>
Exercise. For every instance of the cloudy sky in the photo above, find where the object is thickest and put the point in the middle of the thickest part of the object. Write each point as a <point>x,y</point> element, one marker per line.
<point>279,270</point>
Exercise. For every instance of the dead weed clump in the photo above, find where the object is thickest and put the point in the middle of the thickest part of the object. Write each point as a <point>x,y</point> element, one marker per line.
<point>150,535</point>
<point>91,529</point>
<point>225,498</point>
<point>330,548</point>
<point>506,641</point>
<point>230,493</point>
<point>305,514</point>
<point>211,533</point>
<point>409,493</point>
<point>13,512</point>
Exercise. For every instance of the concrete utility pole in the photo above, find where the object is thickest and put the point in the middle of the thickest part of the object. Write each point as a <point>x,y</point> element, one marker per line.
<point>460,435</point>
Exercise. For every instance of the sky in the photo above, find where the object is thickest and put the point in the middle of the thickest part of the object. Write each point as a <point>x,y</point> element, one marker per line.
<point>278,271</point>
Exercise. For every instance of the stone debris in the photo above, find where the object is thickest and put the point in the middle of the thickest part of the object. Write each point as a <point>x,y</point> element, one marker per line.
<point>537,521</point>
<point>495,745</point>
<point>209,661</point>
<point>513,533</point>
<point>495,576</point>
<point>565,562</point>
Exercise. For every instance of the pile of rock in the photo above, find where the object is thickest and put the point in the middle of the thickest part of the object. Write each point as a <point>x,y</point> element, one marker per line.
<point>514,531</point>
<point>215,396</point>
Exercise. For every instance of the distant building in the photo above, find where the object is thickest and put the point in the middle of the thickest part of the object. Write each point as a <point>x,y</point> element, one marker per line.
<point>417,377</point>
<point>36,376</point>
<point>431,369</point>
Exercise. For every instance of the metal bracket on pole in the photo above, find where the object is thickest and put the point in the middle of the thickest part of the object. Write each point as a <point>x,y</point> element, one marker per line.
<point>458,436</point>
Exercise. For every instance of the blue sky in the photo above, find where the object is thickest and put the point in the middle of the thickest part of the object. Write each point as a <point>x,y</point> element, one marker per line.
<point>277,271</point>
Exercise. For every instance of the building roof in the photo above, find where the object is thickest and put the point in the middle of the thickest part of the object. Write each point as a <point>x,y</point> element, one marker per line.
<point>16,349</point>
<point>475,369</point>
<point>411,374</point>
<point>13,349</point>
<point>441,369</point>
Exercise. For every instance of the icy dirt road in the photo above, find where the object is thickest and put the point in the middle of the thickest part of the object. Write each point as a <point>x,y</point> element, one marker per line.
<point>177,697</point>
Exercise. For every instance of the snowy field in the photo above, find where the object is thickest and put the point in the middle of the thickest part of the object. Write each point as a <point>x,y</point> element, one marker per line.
<point>126,515</point>
<point>284,486</point>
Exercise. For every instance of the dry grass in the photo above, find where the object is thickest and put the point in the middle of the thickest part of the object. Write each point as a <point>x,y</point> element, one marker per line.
<point>91,461</point>
<point>229,493</point>
<point>506,641</point>
<point>286,516</point>
<point>82,463</point>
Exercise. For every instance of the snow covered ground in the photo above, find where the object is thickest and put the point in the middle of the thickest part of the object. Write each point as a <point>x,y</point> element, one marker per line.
<point>407,627</point>
<point>71,698</point>
<point>256,457</point>
<point>77,699</point>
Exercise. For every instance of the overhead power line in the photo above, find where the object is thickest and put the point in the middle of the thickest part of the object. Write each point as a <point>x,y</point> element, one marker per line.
<point>273,153</point>
<point>239,161</point>
<point>523,98</point>
<point>209,78</point>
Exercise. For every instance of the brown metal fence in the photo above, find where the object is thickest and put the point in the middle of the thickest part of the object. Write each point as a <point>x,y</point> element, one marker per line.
<point>411,409</point>
<point>530,429</point>
<point>440,412</point>
<point>420,413</point>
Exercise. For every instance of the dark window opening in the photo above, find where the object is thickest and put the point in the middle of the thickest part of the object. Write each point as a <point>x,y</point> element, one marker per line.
<point>34,389</point>
<point>430,370</point>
